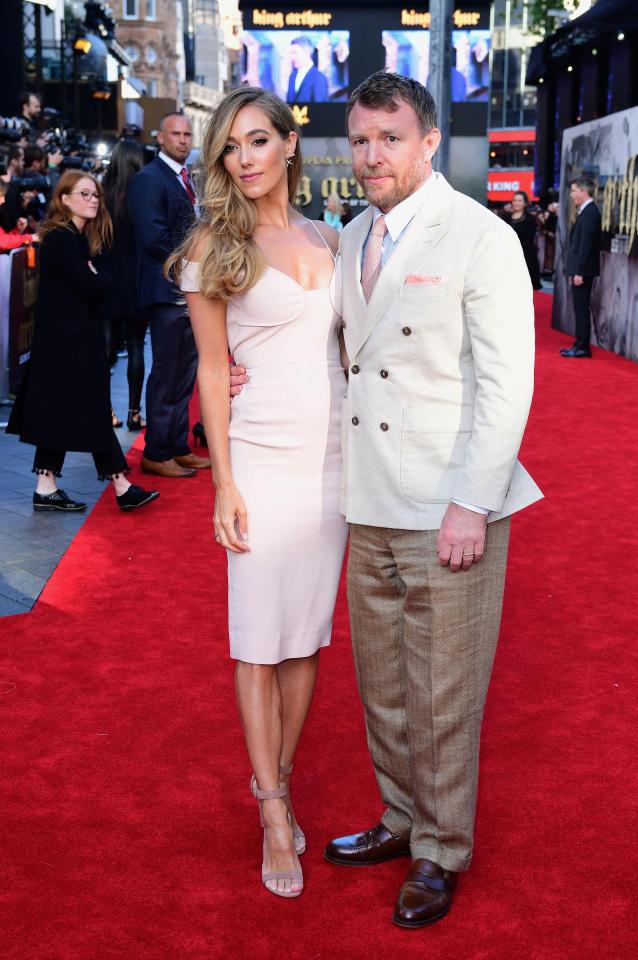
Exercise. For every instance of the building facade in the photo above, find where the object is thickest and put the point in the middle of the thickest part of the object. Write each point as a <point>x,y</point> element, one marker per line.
<point>151,33</point>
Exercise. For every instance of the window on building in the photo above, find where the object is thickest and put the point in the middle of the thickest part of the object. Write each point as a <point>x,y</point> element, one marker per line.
<point>133,52</point>
<point>150,55</point>
<point>151,9</point>
<point>131,9</point>
<point>205,11</point>
<point>151,88</point>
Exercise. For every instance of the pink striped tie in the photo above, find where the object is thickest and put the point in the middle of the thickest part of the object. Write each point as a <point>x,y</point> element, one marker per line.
<point>372,260</point>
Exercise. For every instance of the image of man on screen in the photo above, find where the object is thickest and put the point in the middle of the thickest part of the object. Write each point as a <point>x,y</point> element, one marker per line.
<point>306,83</point>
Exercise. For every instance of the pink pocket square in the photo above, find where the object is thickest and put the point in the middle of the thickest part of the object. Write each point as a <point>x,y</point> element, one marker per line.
<point>422,278</point>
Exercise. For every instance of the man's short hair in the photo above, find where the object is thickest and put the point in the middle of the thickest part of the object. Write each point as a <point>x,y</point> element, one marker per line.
<point>302,41</point>
<point>585,183</point>
<point>385,90</point>
<point>172,113</point>
<point>24,98</point>
<point>33,154</point>
<point>15,152</point>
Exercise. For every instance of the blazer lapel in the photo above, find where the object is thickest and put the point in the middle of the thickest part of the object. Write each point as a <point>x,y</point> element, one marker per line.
<point>428,227</point>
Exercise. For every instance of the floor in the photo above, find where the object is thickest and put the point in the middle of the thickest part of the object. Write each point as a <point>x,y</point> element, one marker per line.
<point>31,545</point>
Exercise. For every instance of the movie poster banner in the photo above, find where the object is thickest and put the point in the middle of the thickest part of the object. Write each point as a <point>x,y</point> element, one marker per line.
<point>606,150</point>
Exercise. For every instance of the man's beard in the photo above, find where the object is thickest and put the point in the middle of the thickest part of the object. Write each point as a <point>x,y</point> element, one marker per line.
<point>398,192</point>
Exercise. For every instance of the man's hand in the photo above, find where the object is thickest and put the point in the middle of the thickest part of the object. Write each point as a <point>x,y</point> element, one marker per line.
<point>461,538</point>
<point>577,280</point>
<point>237,379</point>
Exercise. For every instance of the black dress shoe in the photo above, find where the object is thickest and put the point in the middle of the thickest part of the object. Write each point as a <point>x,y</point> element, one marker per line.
<point>57,501</point>
<point>136,497</point>
<point>367,848</point>
<point>578,352</point>
<point>426,895</point>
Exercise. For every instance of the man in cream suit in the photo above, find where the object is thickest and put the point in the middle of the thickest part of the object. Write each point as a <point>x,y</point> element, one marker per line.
<point>438,323</point>
<point>437,316</point>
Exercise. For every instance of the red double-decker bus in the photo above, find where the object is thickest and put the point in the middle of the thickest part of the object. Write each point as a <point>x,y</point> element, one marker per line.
<point>511,164</point>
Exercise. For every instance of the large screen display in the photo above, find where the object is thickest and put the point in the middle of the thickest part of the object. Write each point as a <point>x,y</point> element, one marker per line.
<point>408,52</point>
<point>309,66</point>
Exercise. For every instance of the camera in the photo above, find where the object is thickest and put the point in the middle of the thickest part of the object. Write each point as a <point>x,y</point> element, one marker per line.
<point>12,130</point>
<point>38,184</point>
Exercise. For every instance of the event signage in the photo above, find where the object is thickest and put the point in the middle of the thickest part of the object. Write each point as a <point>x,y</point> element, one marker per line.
<point>620,209</point>
<point>314,57</point>
<point>23,297</point>
<point>598,149</point>
<point>328,171</point>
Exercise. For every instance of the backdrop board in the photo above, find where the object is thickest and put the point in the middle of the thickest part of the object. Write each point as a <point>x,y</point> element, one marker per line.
<point>606,150</point>
<point>314,57</point>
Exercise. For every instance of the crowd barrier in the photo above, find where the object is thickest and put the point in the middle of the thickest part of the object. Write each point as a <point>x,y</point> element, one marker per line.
<point>18,297</point>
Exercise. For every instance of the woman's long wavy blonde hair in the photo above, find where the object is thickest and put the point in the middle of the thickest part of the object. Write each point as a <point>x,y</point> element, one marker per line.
<point>231,262</point>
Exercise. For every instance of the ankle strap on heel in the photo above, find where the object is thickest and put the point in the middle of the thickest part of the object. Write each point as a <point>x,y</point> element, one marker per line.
<point>269,794</point>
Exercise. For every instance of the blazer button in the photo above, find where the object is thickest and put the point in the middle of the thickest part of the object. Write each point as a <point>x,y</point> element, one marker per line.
<point>406,331</point>
<point>384,427</point>
<point>355,421</point>
<point>354,368</point>
<point>383,373</point>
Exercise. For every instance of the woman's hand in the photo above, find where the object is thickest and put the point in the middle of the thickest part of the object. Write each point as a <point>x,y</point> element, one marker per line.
<point>230,520</point>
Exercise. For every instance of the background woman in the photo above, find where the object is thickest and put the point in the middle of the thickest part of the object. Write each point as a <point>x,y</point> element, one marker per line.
<point>259,284</point>
<point>64,400</point>
<point>121,311</point>
<point>525,226</point>
<point>334,212</point>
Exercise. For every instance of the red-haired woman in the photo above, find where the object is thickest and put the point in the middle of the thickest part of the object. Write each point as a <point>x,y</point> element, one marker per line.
<point>65,400</point>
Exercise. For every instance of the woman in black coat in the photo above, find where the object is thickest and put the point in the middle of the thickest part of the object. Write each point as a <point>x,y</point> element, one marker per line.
<point>121,310</point>
<point>525,226</point>
<point>64,402</point>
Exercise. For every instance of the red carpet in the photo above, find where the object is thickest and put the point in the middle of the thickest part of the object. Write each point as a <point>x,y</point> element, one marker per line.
<point>128,829</point>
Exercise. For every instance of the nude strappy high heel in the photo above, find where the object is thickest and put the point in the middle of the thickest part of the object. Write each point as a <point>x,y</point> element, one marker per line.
<point>297,832</point>
<point>267,875</point>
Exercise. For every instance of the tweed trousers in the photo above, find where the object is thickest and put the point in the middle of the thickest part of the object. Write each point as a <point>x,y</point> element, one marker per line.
<point>424,641</point>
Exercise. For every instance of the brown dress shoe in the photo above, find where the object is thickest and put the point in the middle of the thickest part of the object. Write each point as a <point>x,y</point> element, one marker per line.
<point>192,462</point>
<point>166,468</point>
<point>367,848</point>
<point>425,896</point>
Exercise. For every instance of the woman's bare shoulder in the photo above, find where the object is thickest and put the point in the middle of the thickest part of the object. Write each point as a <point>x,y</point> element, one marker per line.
<point>329,234</point>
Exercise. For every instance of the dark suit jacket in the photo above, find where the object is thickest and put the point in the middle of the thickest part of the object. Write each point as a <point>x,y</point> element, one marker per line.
<point>162,214</point>
<point>313,89</point>
<point>583,252</point>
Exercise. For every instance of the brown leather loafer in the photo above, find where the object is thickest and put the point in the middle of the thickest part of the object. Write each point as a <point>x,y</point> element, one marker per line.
<point>425,896</point>
<point>192,462</point>
<point>367,848</point>
<point>166,468</point>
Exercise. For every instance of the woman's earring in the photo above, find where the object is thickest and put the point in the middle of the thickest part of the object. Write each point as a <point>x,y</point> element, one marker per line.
<point>289,161</point>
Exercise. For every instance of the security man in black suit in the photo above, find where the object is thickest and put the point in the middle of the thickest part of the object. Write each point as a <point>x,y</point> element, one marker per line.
<point>583,262</point>
<point>306,84</point>
<point>161,204</point>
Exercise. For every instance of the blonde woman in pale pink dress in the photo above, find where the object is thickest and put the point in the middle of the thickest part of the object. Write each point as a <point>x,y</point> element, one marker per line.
<point>257,276</point>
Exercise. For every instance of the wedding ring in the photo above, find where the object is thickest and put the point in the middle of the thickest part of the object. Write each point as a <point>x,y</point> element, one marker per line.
<point>468,554</point>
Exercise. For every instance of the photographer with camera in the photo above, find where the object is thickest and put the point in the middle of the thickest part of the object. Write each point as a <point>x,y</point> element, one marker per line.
<point>30,105</point>
<point>14,162</point>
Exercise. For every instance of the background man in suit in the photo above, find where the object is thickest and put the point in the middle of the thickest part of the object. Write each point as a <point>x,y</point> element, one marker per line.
<point>438,326</point>
<point>306,84</point>
<point>583,262</point>
<point>161,202</point>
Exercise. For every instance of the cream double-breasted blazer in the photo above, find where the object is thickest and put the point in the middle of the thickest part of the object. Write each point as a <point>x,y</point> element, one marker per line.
<point>441,368</point>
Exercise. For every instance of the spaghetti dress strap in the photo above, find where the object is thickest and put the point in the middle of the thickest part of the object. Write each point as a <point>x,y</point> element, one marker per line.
<point>325,242</point>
